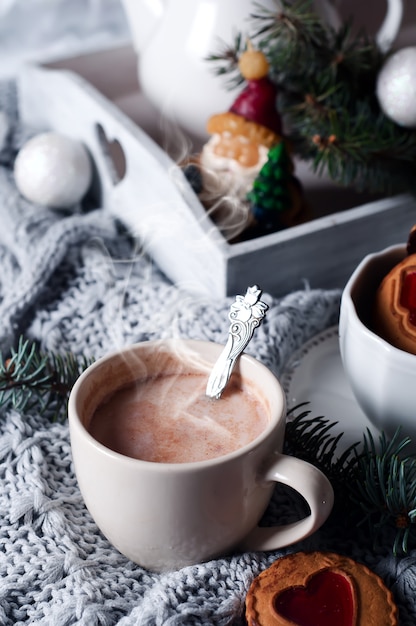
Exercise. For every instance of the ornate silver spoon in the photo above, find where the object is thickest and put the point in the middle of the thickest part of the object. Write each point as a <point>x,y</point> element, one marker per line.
<point>246,313</point>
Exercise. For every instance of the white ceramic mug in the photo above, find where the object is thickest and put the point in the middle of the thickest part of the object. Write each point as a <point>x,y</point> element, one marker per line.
<point>382,377</point>
<point>168,515</point>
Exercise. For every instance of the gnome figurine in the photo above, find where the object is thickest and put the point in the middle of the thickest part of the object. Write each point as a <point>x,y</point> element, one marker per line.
<point>239,151</point>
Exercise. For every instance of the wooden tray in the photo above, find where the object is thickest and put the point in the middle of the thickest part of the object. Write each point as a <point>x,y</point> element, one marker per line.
<point>137,182</point>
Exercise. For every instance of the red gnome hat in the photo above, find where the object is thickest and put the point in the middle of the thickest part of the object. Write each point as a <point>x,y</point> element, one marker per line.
<point>257,103</point>
<point>254,112</point>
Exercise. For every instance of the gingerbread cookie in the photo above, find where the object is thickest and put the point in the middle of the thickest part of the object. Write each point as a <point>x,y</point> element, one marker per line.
<point>395,304</point>
<point>319,589</point>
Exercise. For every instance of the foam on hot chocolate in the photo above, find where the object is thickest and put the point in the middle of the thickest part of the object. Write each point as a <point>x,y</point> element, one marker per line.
<point>169,419</point>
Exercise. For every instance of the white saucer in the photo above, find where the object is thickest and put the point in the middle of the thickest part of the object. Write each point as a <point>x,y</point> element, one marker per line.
<point>315,375</point>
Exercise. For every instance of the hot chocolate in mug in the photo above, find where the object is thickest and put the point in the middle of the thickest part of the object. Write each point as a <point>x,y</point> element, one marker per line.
<point>172,477</point>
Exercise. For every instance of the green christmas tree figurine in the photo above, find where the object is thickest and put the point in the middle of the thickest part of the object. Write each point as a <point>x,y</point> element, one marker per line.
<point>276,194</point>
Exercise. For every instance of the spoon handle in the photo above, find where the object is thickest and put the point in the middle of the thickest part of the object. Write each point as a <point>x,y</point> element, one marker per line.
<point>246,313</point>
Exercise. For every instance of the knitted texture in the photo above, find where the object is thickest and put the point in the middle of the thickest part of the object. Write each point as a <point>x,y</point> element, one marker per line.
<point>77,282</point>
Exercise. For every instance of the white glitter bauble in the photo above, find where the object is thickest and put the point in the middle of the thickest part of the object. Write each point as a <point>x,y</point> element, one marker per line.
<point>54,170</point>
<point>396,87</point>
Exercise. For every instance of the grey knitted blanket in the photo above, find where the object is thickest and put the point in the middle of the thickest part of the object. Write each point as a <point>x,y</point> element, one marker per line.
<point>76,282</point>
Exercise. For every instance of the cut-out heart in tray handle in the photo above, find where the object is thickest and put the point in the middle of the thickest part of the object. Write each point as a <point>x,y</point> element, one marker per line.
<point>113,154</point>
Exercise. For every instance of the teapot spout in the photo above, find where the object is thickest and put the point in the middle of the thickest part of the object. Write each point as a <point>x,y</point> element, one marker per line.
<point>143,17</point>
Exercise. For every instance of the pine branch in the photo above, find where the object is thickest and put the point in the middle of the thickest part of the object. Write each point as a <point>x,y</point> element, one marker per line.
<point>386,487</point>
<point>30,380</point>
<point>375,484</point>
<point>311,439</point>
<point>226,61</point>
<point>290,34</point>
<point>327,84</point>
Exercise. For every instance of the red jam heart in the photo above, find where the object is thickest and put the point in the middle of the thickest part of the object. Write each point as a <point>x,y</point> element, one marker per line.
<point>408,296</point>
<point>327,600</point>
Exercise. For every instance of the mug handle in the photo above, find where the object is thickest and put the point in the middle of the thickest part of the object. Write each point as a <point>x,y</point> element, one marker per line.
<point>310,483</point>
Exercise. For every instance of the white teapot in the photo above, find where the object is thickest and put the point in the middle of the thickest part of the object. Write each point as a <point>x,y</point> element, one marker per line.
<point>173,39</point>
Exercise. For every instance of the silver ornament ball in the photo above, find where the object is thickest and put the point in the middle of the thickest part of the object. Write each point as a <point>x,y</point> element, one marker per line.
<point>53,170</point>
<point>396,87</point>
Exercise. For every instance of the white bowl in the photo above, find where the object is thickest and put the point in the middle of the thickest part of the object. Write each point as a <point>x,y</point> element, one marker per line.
<point>382,377</point>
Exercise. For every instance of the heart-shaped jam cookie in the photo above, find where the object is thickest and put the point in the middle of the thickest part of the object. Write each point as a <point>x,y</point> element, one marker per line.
<point>327,599</point>
<point>319,589</point>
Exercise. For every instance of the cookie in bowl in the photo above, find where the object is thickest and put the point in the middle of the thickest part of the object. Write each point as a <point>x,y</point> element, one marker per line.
<point>381,375</point>
<point>395,303</point>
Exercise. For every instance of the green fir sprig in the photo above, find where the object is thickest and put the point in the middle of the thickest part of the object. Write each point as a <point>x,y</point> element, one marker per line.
<point>385,487</point>
<point>312,439</point>
<point>326,79</point>
<point>374,482</point>
<point>226,61</point>
<point>30,380</point>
